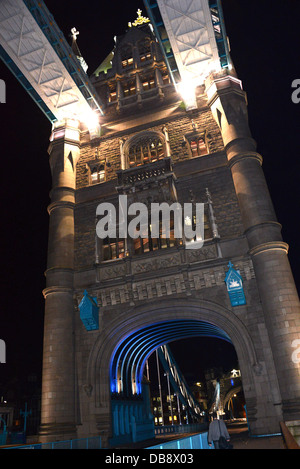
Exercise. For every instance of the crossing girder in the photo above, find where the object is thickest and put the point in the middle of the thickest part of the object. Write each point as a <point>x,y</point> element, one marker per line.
<point>37,53</point>
<point>193,38</point>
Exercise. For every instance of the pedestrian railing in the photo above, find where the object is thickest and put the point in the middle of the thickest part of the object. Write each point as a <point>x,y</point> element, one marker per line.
<point>198,441</point>
<point>81,443</point>
<point>188,428</point>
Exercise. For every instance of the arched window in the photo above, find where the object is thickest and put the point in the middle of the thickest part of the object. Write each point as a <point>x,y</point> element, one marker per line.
<point>145,147</point>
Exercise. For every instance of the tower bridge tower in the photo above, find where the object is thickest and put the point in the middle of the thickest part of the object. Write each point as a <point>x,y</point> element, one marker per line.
<point>173,128</point>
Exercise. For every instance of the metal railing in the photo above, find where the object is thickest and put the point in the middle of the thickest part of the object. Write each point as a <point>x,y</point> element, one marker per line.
<point>198,441</point>
<point>81,443</point>
<point>190,428</point>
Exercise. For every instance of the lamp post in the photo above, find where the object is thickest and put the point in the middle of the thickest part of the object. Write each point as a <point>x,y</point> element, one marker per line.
<point>25,414</point>
<point>159,387</point>
<point>178,407</point>
<point>170,399</point>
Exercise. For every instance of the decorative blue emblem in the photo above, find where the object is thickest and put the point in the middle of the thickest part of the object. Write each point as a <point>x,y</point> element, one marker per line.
<point>89,312</point>
<point>234,284</point>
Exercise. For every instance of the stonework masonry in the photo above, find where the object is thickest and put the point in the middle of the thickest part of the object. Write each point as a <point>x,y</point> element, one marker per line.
<point>138,289</point>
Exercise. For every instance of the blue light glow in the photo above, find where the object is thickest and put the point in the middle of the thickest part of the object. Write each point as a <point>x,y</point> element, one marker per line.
<point>130,355</point>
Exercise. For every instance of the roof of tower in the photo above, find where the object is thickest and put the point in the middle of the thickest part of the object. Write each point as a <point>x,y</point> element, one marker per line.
<point>139,29</point>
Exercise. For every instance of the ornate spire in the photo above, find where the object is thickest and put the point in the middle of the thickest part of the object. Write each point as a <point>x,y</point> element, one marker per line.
<point>140,19</point>
<point>75,48</point>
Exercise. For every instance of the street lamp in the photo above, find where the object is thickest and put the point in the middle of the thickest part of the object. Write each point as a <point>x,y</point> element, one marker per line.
<point>178,407</point>
<point>159,387</point>
<point>169,391</point>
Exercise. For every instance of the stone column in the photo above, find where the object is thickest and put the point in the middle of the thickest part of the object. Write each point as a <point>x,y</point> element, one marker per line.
<point>275,281</point>
<point>58,419</point>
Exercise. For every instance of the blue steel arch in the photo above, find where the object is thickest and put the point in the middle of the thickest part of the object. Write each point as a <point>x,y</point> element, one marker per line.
<point>145,347</point>
<point>130,355</point>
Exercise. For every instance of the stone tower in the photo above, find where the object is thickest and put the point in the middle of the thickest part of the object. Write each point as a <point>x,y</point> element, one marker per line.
<point>111,302</point>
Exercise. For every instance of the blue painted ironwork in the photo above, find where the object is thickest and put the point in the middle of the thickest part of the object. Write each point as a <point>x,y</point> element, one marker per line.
<point>3,435</point>
<point>179,385</point>
<point>79,443</point>
<point>89,312</point>
<point>234,284</point>
<point>132,419</point>
<point>218,23</point>
<point>26,84</point>
<point>130,355</point>
<point>64,51</point>
<point>162,37</point>
<point>25,414</point>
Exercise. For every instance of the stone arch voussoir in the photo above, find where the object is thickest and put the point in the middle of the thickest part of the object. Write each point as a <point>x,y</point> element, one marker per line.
<point>169,310</point>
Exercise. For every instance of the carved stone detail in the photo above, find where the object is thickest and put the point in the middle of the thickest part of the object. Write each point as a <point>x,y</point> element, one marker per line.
<point>172,284</point>
<point>155,264</point>
<point>203,254</point>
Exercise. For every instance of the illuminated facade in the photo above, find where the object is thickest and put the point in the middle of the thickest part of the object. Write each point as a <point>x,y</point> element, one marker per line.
<point>150,291</point>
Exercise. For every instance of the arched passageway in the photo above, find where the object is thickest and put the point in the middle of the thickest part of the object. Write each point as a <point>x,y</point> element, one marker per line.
<point>116,363</point>
<point>130,405</point>
<point>129,358</point>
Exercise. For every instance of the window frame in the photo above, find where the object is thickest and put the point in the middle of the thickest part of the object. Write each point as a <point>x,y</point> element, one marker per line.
<point>138,141</point>
<point>197,137</point>
<point>97,164</point>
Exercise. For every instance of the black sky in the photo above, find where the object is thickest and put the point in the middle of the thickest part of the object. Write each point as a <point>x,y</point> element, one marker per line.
<point>265,48</point>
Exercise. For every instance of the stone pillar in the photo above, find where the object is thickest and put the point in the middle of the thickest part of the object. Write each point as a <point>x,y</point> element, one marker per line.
<point>275,281</point>
<point>58,416</point>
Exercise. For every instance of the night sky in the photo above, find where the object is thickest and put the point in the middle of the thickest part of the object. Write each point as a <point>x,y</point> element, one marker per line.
<point>265,48</point>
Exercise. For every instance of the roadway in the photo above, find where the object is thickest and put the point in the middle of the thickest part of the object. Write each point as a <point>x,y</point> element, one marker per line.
<point>239,435</point>
<point>240,438</point>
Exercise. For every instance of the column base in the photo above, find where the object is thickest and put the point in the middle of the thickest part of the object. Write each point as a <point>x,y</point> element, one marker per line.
<point>291,409</point>
<point>57,432</point>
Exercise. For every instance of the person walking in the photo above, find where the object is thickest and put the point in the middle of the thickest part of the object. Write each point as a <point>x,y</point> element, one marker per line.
<point>218,434</point>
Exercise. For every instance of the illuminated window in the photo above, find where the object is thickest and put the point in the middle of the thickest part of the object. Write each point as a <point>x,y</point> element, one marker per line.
<point>148,83</point>
<point>147,244</point>
<point>97,172</point>
<point>127,56</point>
<point>197,144</point>
<point>145,150</point>
<point>112,95</point>
<point>145,51</point>
<point>127,62</point>
<point>207,225</point>
<point>198,147</point>
<point>113,249</point>
<point>165,79</point>
<point>129,88</point>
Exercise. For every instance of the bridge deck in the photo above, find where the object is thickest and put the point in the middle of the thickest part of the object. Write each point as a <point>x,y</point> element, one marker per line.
<point>239,438</point>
